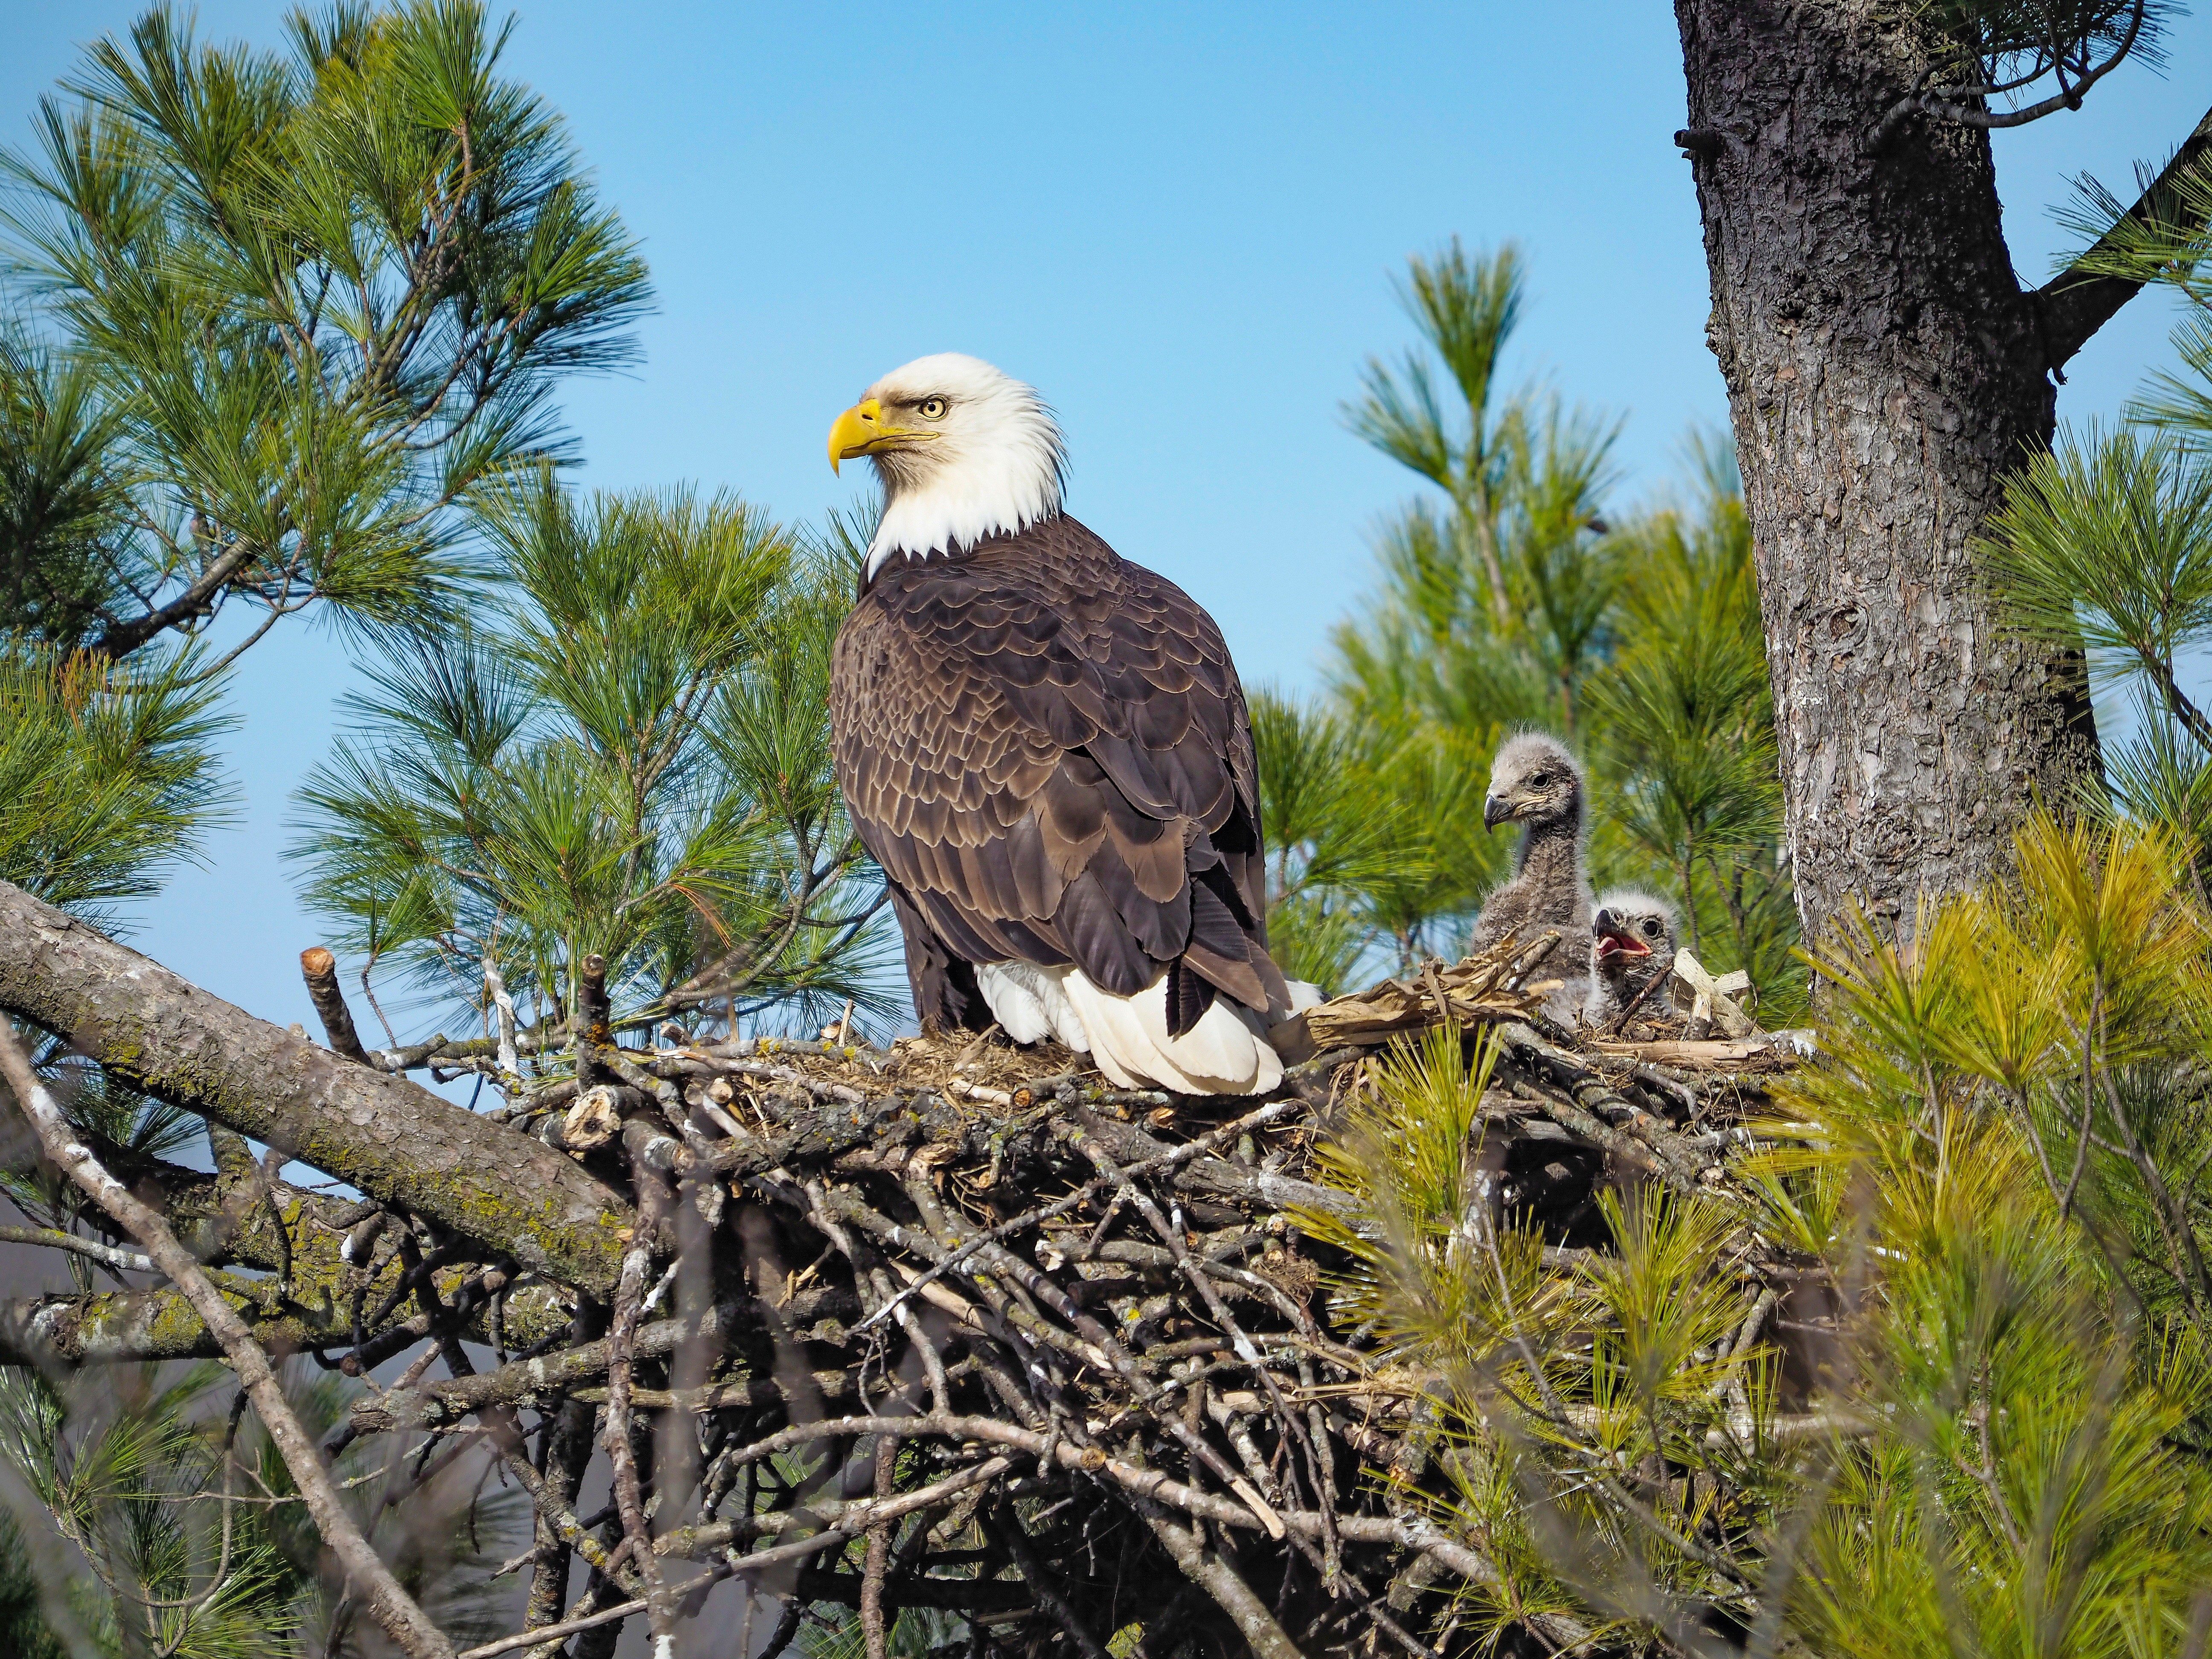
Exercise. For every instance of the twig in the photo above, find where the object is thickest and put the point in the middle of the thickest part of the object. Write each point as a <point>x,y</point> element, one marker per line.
<point>107,1254</point>
<point>857,1521</point>
<point>622,1342</point>
<point>1006,1532</point>
<point>1954,107</point>
<point>1075,1200</point>
<point>510,1056</point>
<point>872,1630</point>
<point>1210,1571</point>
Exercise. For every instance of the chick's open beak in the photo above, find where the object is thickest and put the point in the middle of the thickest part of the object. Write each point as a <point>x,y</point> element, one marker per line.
<point>860,430</point>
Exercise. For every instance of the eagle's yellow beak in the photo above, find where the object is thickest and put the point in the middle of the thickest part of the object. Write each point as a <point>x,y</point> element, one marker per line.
<point>862,430</point>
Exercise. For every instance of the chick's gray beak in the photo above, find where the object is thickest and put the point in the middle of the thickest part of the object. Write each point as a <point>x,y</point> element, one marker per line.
<point>1496,809</point>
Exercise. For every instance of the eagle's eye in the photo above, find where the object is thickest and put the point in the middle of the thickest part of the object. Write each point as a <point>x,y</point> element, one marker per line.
<point>932,408</point>
<point>1540,781</point>
<point>1652,927</point>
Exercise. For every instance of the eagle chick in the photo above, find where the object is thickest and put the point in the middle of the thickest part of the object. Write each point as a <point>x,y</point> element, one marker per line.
<point>1535,782</point>
<point>1633,945</point>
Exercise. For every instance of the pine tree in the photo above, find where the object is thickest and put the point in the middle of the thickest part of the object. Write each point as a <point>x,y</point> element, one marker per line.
<point>1494,607</point>
<point>1988,1201</point>
<point>1687,768</point>
<point>1514,597</point>
<point>291,310</point>
<point>1865,307</point>
<point>105,769</point>
<point>65,491</point>
<point>2108,538</point>
<point>628,759</point>
<point>187,1520</point>
<point>275,320</point>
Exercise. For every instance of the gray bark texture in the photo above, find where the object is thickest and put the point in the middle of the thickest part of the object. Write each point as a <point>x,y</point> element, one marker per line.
<point>390,1138</point>
<point>1885,372</point>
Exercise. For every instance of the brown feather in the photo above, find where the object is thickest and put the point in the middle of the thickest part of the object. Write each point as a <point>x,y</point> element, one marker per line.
<point>1237,977</point>
<point>1189,998</point>
<point>1040,743</point>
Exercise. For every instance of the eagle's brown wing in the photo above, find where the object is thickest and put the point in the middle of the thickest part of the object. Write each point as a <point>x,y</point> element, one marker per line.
<point>1046,749</point>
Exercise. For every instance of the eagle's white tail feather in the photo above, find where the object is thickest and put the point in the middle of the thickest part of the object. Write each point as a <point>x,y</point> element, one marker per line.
<point>1220,1055</point>
<point>1118,1046</point>
<point>1226,1053</point>
<point>1028,1004</point>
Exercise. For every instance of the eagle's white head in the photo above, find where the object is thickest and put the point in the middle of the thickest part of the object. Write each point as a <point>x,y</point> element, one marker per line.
<point>964,451</point>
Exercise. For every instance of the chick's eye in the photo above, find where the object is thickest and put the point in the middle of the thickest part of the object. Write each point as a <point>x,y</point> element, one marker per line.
<point>1540,779</point>
<point>1651,928</point>
<point>932,408</point>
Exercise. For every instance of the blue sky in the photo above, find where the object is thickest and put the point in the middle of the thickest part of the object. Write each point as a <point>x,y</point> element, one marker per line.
<point>1180,223</point>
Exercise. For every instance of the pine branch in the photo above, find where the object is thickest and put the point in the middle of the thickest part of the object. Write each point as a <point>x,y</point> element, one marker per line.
<point>2081,300</point>
<point>1968,105</point>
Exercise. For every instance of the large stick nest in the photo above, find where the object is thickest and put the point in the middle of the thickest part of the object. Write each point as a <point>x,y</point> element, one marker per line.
<point>957,1326</point>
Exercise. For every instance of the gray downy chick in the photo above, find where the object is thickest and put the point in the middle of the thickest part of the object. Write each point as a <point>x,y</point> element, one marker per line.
<point>1535,783</point>
<point>1633,945</point>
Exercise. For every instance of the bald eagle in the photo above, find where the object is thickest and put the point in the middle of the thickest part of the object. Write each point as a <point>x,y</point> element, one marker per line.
<point>1047,750</point>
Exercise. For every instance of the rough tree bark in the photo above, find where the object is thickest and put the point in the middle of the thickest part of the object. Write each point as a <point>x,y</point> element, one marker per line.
<point>1886,370</point>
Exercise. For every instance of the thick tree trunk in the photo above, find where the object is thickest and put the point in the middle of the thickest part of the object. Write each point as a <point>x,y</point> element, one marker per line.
<point>1886,370</point>
<point>390,1138</point>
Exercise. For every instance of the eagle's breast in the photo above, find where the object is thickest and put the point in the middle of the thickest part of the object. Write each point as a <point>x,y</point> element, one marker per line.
<point>1040,742</point>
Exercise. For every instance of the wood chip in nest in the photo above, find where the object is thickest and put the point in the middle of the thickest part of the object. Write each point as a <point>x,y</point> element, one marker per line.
<point>1711,1003</point>
<point>1497,983</point>
<point>592,1121</point>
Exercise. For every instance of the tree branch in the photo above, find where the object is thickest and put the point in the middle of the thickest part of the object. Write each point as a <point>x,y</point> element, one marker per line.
<point>857,1520</point>
<point>120,639</point>
<point>1968,107</point>
<point>432,1405</point>
<point>107,1254</point>
<point>320,970</point>
<point>121,1327</point>
<point>390,1605</point>
<point>385,1136</point>
<point>2079,300</point>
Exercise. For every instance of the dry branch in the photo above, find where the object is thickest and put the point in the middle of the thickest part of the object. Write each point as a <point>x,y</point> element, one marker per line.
<point>391,1606</point>
<point>319,968</point>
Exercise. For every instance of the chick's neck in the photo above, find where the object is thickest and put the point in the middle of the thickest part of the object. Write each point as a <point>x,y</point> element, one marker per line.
<point>1551,851</point>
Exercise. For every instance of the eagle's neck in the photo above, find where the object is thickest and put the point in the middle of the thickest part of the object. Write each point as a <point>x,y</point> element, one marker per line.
<point>994,492</point>
<point>1551,854</point>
